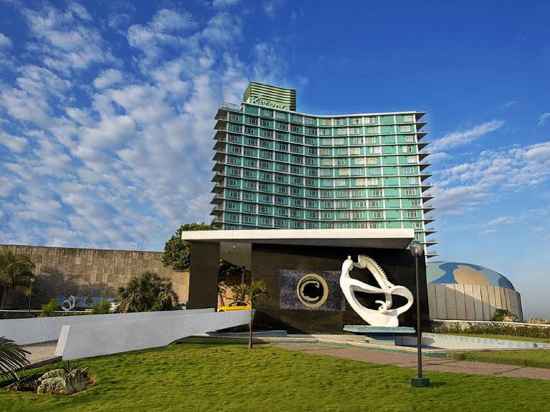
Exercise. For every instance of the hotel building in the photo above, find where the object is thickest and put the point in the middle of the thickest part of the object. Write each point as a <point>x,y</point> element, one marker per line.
<point>279,168</point>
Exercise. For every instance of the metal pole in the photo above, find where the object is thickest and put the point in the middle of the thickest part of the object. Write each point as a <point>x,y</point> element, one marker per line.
<point>419,381</point>
<point>418,323</point>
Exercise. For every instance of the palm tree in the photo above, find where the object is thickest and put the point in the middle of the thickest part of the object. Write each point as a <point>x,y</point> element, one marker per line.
<point>16,271</point>
<point>12,357</point>
<point>254,290</point>
<point>147,292</point>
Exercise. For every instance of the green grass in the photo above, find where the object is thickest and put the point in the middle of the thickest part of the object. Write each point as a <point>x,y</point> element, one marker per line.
<point>504,337</point>
<point>538,358</point>
<point>216,376</point>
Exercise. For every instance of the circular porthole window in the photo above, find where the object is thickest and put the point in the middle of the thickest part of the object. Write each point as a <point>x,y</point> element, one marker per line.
<point>312,290</point>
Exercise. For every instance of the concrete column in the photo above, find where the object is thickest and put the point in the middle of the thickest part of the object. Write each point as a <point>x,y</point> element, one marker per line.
<point>203,276</point>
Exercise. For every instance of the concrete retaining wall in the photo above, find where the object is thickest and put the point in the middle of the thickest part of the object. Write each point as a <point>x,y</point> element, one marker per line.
<point>471,302</point>
<point>37,330</point>
<point>121,333</point>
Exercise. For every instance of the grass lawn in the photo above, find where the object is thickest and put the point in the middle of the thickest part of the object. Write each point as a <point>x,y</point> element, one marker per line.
<point>538,358</point>
<point>216,376</point>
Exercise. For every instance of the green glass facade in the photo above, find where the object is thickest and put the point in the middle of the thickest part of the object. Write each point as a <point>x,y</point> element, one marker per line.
<point>278,168</point>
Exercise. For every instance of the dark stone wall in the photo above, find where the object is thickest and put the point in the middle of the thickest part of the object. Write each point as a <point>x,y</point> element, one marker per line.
<point>269,263</point>
<point>92,272</point>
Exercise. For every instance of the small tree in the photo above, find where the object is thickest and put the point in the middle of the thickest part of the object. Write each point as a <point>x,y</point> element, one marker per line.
<point>254,290</point>
<point>176,251</point>
<point>147,292</point>
<point>16,272</point>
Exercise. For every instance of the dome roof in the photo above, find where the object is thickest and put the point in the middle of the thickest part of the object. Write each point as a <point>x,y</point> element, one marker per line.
<point>466,274</point>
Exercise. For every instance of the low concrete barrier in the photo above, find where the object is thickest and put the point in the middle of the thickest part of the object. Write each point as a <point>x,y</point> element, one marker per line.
<point>457,342</point>
<point>38,330</point>
<point>124,334</point>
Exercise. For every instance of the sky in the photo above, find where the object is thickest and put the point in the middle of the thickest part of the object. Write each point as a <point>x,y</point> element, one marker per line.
<point>106,112</point>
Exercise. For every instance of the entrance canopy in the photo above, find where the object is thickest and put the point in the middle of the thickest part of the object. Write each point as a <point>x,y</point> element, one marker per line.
<point>353,238</point>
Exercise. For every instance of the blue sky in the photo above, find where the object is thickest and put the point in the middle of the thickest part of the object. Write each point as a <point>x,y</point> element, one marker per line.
<point>106,112</point>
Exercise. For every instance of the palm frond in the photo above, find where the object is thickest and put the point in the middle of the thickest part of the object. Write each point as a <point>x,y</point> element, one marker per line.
<point>12,357</point>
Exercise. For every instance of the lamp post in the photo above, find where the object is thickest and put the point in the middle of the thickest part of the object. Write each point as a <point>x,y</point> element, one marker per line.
<point>30,292</point>
<point>417,250</point>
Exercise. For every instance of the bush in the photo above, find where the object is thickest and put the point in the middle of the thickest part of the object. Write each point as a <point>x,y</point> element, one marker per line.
<point>49,308</point>
<point>494,328</point>
<point>102,308</point>
<point>147,292</point>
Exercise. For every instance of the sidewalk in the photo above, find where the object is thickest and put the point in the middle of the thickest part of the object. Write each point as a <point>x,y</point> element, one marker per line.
<point>408,360</point>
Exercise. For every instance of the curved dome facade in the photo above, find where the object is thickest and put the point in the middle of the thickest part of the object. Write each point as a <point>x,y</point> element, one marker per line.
<point>464,291</point>
<point>465,274</point>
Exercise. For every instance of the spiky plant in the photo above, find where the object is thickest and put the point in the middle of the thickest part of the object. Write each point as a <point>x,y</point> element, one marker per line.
<point>12,357</point>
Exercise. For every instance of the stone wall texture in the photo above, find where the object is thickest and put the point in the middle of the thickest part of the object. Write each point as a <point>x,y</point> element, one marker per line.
<point>95,271</point>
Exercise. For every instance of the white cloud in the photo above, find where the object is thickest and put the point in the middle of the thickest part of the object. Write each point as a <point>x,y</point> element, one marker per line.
<point>271,7</point>
<point>122,163</point>
<point>66,40</point>
<point>464,186</point>
<point>5,41</point>
<point>463,137</point>
<point>16,144</point>
<point>108,78</point>
<point>543,118</point>
<point>219,4</point>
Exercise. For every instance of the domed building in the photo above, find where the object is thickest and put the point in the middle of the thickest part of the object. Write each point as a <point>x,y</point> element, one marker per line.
<point>466,291</point>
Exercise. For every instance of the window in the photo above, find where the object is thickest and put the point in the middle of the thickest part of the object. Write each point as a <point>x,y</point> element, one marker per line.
<point>407,149</point>
<point>411,159</point>
<point>375,204</point>
<point>339,142</point>
<point>281,126</point>
<point>341,131</point>
<point>372,181</point>
<point>251,120</point>
<point>376,150</point>
<point>405,128</point>
<point>371,120</point>
<point>250,130</point>
<point>266,133</point>
<point>355,121</point>
<point>341,122</point>
<point>355,151</point>
<point>360,182</point>
<point>325,122</point>
<point>408,118</point>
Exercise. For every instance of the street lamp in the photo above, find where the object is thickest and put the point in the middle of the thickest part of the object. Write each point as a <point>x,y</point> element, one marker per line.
<point>31,281</point>
<point>417,250</point>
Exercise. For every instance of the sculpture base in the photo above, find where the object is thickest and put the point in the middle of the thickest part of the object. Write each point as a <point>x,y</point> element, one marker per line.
<point>381,335</point>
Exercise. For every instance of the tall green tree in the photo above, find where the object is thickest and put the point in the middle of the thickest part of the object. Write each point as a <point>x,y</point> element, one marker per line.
<point>147,292</point>
<point>176,251</point>
<point>16,272</point>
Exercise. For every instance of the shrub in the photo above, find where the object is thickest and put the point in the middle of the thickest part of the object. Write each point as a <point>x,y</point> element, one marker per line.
<point>147,292</point>
<point>102,308</point>
<point>49,308</point>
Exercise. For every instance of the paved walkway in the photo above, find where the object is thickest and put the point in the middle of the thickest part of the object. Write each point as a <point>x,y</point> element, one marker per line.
<point>41,353</point>
<point>408,360</point>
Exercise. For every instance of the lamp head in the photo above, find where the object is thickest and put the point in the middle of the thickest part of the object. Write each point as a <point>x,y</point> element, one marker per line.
<point>416,248</point>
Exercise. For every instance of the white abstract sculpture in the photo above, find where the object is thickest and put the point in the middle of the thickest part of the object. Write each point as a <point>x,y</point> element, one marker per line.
<point>385,315</point>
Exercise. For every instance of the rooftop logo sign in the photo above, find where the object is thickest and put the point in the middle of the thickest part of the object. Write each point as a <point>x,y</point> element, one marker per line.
<point>266,102</point>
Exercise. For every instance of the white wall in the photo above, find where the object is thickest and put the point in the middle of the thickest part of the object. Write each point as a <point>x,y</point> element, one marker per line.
<point>123,334</point>
<point>37,330</point>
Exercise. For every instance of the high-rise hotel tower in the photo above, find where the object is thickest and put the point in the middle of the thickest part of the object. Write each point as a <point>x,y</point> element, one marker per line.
<point>279,168</point>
